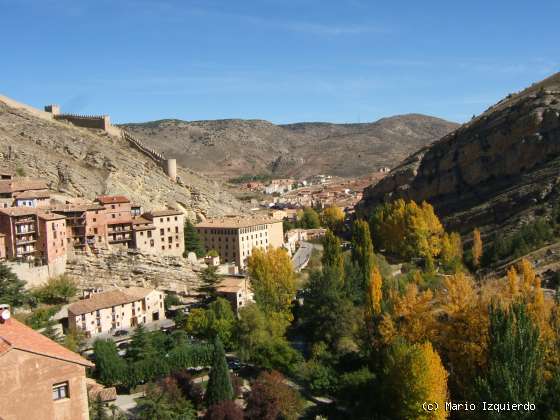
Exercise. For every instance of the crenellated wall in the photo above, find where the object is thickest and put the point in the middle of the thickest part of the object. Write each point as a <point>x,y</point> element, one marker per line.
<point>103,122</point>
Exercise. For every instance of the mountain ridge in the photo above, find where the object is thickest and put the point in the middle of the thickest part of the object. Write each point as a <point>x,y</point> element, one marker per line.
<point>232,147</point>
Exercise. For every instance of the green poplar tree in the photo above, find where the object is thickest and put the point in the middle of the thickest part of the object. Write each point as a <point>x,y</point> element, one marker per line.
<point>12,289</point>
<point>515,360</point>
<point>332,255</point>
<point>192,240</point>
<point>219,385</point>
<point>110,369</point>
<point>362,251</point>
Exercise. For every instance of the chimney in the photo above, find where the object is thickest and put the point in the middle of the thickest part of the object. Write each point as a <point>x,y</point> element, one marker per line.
<point>4,313</point>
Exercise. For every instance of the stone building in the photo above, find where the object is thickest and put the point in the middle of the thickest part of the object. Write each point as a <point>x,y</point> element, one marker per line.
<point>168,235</point>
<point>119,220</point>
<point>237,290</point>
<point>29,192</point>
<point>32,198</point>
<point>86,225</point>
<point>143,235</point>
<point>33,234</point>
<point>39,379</point>
<point>116,309</point>
<point>51,242</point>
<point>235,237</point>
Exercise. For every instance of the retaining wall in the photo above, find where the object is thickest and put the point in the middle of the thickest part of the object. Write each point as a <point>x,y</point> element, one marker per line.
<point>37,276</point>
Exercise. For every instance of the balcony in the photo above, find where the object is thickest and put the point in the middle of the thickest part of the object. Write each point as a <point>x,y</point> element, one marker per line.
<point>21,252</point>
<point>25,232</point>
<point>25,241</point>
<point>25,220</point>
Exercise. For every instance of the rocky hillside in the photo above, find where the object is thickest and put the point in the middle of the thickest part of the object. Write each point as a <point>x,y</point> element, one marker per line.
<point>86,163</point>
<point>499,170</point>
<point>229,148</point>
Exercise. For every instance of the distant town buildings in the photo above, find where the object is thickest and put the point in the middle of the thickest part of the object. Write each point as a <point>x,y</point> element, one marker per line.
<point>39,379</point>
<point>234,238</point>
<point>115,309</point>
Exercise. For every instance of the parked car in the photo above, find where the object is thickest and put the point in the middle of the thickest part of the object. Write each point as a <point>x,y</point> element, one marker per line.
<point>120,333</point>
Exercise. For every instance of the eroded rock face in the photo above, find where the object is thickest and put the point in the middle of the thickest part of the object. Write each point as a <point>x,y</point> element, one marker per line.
<point>496,169</point>
<point>109,269</point>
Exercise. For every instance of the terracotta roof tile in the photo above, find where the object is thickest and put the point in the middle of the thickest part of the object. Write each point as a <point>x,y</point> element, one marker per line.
<point>112,199</point>
<point>108,299</point>
<point>32,194</point>
<point>16,335</point>
<point>24,184</point>
<point>161,213</point>
<point>237,222</point>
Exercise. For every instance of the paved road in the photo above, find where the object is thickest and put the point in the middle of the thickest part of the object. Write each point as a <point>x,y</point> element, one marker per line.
<point>149,326</point>
<point>302,255</point>
<point>127,403</point>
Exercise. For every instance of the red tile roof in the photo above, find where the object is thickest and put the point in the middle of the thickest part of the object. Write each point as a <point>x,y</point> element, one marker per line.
<point>112,199</point>
<point>160,213</point>
<point>14,185</point>
<point>108,299</point>
<point>16,336</point>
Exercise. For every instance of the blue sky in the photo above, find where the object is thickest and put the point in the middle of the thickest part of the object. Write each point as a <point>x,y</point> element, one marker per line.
<point>280,60</point>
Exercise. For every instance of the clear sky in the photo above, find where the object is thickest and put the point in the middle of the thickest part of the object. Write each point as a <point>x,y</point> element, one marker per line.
<point>280,60</point>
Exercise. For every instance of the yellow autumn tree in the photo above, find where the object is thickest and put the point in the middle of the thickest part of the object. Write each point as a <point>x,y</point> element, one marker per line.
<point>476,247</point>
<point>451,248</point>
<point>333,218</point>
<point>374,291</point>
<point>461,333</point>
<point>407,229</point>
<point>411,316</point>
<point>415,374</point>
<point>272,279</point>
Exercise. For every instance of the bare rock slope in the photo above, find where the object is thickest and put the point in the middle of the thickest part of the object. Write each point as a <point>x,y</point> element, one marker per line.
<point>499,170</point>
<point>229,148</point>
<point>86,163</point>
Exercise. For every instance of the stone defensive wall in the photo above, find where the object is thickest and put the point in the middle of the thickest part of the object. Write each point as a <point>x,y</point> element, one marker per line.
<point>100,122</point>
<point>103,122</point>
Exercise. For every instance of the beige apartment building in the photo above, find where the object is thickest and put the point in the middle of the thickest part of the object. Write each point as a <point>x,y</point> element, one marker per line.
<point>167,236</point>
<point>235,237</point>
<point>115,309</point>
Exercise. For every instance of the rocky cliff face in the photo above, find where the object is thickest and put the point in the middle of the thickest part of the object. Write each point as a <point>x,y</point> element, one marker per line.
<point>125,269</point>
<point>500,168</point>
<point>229,148</point>
<point>85,163</point>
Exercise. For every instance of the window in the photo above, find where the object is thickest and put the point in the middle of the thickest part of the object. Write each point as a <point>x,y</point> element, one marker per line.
<point>162,232</point>
<point>95,230</point>
<point>113,216</point>
<point>149,234</point>
<point>176,229</point>
<point>94,219</point>
<point>60,391</point>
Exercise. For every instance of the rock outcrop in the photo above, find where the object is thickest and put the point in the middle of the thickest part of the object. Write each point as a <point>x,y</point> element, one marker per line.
<point>495,171</point>
<point>128,268</point>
